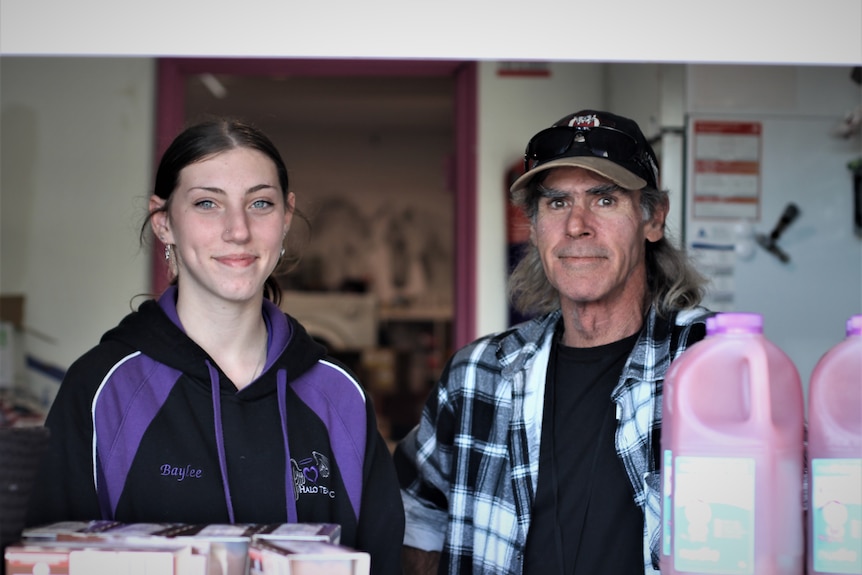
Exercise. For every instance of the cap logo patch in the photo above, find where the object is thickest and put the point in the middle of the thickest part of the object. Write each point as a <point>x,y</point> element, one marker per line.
<point>590,121</point>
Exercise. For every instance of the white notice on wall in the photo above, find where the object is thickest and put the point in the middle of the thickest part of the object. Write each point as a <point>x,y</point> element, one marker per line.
<point>713,251</point>
<point>726,176</point>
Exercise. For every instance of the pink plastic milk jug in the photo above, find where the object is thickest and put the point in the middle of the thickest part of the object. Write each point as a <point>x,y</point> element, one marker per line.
<point>835,457</point>
<point>732,445</point>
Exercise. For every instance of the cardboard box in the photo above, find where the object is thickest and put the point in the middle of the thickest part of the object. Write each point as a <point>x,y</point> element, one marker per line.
<point>116,535</point>
<point>93,557</point>
<point>228,545</point>
<point>140,559</point>
<point>271,557</point>
<point>27,559</point>
<point>94,531</point>
<point>225,546</point>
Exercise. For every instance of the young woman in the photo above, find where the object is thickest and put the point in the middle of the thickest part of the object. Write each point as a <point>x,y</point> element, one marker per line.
<point>209,404</point>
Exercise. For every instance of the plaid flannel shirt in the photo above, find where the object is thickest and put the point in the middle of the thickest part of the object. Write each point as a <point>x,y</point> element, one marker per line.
<point>469,470</point>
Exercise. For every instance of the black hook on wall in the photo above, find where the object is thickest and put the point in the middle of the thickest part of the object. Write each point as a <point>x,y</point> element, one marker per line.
<point>770,242</point>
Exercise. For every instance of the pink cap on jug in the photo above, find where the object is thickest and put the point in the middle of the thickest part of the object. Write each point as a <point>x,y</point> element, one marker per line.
<point>734,322</point>
<point>854,325</point>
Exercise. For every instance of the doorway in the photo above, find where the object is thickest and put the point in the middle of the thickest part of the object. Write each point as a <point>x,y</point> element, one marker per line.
<point>380,153</point>
<point>174,74</point>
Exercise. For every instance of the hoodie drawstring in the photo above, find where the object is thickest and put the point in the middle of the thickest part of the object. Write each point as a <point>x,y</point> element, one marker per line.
<point>219,433</point>
<point>289,495</point>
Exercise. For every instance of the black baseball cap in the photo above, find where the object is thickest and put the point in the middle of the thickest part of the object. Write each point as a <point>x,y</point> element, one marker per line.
<point>608,144</point>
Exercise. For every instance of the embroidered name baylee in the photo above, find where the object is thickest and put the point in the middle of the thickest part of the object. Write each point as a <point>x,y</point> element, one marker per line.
<point>180,473</point>
<point>310,476</point>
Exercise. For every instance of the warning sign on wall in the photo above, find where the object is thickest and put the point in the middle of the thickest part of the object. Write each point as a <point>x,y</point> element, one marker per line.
<point>726,169</point>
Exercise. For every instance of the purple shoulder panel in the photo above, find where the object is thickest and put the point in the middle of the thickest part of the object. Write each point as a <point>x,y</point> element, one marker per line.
<point>125,405</point>
<point>337,399</point>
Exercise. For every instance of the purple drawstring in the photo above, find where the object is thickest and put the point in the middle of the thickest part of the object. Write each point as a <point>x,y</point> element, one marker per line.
<point>219,433</point>
<point>290,496</point>
<point>279,332</point>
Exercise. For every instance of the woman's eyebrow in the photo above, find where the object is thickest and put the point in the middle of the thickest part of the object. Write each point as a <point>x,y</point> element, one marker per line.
<point>251,190</point>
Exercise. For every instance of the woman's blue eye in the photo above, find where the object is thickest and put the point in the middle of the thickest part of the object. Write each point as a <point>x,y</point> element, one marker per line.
<point>205,204</point>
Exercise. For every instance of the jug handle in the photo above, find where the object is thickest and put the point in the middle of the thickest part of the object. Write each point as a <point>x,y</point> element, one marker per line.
<point>760,396</point>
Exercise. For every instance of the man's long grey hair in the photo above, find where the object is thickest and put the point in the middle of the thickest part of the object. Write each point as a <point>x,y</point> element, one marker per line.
<point>673,283</point>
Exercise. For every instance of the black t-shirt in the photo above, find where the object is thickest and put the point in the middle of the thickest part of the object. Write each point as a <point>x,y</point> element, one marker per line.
<point>580,472</point>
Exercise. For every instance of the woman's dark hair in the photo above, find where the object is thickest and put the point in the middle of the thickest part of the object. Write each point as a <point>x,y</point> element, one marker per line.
<point>203,140</point>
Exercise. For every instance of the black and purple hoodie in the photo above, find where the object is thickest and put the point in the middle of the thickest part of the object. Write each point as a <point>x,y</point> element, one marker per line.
<point>147,428</point>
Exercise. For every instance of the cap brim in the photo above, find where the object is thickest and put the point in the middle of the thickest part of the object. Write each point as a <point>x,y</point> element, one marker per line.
<point>601,166</point>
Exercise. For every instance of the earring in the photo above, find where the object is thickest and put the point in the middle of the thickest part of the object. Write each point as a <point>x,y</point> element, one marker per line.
<point>281,255</point>
<point>168,253</point>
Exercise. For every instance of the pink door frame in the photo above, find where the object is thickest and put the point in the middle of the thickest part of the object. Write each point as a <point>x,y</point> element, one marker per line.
<point>170,119</point>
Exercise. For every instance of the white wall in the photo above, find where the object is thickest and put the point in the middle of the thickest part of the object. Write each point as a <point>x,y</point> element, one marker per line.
<point>806,301</point>
<point>511,110</point>
<point>654,96</point>
<point>76,161</point>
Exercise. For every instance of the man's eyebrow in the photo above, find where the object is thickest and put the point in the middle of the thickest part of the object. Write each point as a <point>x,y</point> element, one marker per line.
<point>547,192</point>
<point>609,188</point>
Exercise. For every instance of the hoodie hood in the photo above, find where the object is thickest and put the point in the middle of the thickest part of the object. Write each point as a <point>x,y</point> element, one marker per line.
<point>155,329</point>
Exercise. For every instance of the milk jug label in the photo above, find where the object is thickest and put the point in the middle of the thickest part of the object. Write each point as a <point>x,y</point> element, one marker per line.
<point>713,523</point>
<point>836,501</point>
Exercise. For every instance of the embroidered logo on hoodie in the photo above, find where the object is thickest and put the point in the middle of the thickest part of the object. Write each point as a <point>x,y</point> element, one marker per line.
<point>311,476</point>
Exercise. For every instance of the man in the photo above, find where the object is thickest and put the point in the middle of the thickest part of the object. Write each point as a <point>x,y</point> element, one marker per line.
<point>538,451</point>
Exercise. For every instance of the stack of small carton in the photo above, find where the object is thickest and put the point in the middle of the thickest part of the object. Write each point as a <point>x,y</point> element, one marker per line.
<point>95,547</point>
<point>286,557</point>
